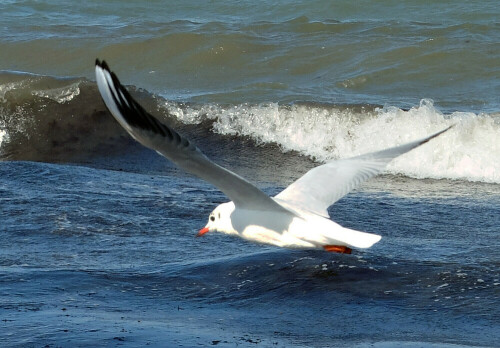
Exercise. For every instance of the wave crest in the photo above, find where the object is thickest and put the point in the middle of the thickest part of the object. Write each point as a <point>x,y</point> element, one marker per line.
<point>47,119</point>
<point>468,151</point>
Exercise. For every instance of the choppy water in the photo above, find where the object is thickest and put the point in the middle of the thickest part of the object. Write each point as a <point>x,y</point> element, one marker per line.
<point>97,239</point>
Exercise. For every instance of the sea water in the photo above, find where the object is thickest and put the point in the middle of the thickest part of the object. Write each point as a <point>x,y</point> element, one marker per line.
<point>97,233</point>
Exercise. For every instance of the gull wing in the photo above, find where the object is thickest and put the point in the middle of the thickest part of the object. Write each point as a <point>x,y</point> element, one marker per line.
<point>154,134</point>
<point>322,186</point>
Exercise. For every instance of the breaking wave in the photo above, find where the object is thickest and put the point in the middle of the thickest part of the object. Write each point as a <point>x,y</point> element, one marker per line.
<point>469,151</point>
<point>64,120</point>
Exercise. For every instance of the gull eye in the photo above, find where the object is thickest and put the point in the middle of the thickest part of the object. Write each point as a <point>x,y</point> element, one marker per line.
<point>212,218</point>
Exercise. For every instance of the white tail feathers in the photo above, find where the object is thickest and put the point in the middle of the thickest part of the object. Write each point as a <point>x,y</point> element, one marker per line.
<point>356,239</point>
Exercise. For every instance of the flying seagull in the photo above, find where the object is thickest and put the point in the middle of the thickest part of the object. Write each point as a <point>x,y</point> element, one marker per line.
<point>295,218</point>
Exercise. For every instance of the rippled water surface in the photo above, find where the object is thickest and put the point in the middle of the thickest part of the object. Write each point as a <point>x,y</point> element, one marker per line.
<point>97,242</point>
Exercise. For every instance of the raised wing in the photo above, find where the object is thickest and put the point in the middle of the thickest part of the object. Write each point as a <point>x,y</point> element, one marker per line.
<point>322,186</point>
<point>154,134</point>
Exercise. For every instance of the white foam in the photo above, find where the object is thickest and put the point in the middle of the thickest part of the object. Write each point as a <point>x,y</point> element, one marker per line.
<point>469,151</point>
<point>2,135</point>
<point>60,95</point>
<point>7,87</point>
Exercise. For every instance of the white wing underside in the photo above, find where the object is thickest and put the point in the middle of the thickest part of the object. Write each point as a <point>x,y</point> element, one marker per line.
<point>315,191</point>
<point>322,186</point>
<point>154,134</point>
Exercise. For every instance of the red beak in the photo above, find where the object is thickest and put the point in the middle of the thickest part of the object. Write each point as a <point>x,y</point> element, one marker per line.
<point>202,232</point>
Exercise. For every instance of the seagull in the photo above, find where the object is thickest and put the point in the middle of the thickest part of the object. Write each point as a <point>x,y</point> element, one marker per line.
<point>296,218</point>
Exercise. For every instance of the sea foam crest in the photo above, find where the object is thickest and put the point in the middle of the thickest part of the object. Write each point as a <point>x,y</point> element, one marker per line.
<point>60,95</point>
<point>2,135</point>
<point>469,151</point>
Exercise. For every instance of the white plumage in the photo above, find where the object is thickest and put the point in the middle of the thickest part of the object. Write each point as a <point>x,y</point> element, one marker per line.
<point>295,218</point>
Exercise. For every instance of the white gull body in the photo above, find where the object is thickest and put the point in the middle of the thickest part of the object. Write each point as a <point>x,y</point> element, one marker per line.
<point>295,218</point>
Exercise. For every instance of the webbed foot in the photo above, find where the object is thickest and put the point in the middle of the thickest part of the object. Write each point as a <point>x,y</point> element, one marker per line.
<point>337,249</point>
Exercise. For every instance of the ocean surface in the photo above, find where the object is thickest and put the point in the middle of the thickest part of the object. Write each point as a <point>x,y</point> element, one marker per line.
<point>97,242</point>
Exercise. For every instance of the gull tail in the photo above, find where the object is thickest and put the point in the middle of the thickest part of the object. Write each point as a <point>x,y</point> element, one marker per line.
<point>353,238</point>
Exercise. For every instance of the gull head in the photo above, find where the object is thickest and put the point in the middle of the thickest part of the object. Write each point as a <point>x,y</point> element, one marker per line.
<point>219,220</point>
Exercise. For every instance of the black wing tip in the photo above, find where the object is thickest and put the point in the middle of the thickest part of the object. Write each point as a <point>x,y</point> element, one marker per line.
<point>131,110</point>
<point>102,64</point>
<point>436,134</point>
<point>134,113</point>
<point>445,130</point>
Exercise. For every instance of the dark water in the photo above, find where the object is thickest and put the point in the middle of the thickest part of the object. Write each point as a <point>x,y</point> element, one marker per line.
<point>94,256</point>
<point>97,242</point>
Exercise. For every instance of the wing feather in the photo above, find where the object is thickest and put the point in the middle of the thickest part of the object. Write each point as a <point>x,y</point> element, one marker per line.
<point>152,133</point>
<point>324,185</point>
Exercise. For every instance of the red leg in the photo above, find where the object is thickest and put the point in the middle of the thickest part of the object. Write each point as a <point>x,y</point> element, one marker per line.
<point>337,249</point>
